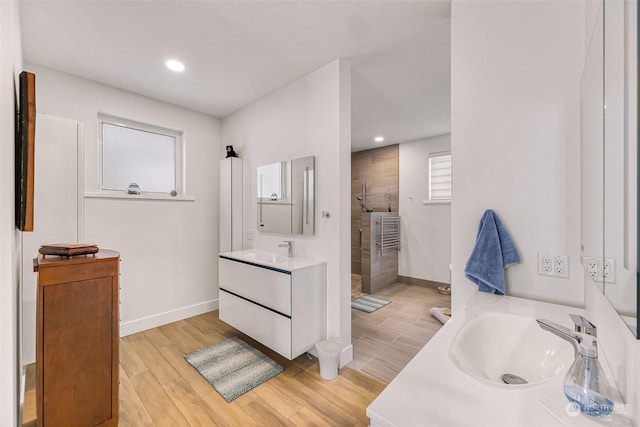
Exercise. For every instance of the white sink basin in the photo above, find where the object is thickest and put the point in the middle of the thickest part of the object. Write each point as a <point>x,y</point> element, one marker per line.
<point>265,257</point>
<point>494,344</point>
<point>271,259</point>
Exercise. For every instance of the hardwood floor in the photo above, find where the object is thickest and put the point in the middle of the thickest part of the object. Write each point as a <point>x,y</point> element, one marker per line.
<point>386,340</point>
<point>159,388</point>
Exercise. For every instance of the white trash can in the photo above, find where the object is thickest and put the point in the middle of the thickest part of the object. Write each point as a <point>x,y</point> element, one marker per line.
<point>329,357</point>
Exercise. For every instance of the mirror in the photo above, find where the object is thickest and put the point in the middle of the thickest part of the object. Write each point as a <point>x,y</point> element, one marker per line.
<point>609,159</point>
<point>620,264</point>
<point>286,197</point>
<point>592,152</point>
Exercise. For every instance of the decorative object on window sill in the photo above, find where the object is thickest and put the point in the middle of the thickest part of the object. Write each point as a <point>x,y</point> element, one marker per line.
<point>67,249</point>
<point>274,196</point>
<point>133,188</point>
<point>173,193</point>
<point>230,152</point>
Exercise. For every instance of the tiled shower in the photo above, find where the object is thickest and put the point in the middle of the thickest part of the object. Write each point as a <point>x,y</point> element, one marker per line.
<point>375,171</point>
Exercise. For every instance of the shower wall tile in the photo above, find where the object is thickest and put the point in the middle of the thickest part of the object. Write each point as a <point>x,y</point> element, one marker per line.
<point>380,169</point>
<point>377,271</point>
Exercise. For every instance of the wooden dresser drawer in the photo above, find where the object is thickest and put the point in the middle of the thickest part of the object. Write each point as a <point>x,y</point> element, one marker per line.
<point>77,340</point>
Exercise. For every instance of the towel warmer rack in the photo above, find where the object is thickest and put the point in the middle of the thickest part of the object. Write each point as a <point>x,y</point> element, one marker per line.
<point>389,238</point>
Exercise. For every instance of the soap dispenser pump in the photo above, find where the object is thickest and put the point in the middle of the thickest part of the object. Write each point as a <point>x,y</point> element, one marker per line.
<point>585,384</point>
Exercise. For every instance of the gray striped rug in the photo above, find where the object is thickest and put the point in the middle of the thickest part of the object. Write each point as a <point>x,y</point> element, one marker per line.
<point>368,303</point>
<point>233,367</point>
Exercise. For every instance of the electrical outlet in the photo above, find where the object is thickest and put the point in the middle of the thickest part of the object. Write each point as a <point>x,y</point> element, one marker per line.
<point>592,267</point>
<point>558,265</point>
<point>544,264</point>
<point>561,265</point>
<point>553,265</point>
<point>609,270</point>
<point>547,263</point>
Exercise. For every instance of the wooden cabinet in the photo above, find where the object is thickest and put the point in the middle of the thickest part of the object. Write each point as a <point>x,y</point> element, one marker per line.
<point>283,308</point>
<point>77,335</point>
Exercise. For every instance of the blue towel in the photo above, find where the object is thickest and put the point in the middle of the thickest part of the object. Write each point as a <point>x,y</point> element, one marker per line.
<point>494,251</point>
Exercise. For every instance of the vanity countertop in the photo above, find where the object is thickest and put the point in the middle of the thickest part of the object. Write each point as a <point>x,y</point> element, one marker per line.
<point>432,391</point>
<point>270,260</point>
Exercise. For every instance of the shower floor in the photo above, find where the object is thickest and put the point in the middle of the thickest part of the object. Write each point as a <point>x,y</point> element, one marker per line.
<point>356,286</point>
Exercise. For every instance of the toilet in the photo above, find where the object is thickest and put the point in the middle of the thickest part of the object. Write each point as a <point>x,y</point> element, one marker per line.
<point>329,357</point>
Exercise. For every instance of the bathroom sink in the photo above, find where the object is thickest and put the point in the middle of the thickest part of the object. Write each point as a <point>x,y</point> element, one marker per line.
<point>504,348</point>
<point>265,257</point>
<point>271,259</point>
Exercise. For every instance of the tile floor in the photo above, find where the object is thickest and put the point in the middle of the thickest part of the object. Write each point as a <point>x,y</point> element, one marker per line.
<point>387,339</point>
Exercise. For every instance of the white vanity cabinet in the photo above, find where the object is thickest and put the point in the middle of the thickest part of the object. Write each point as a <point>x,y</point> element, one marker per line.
<point>280,304</point>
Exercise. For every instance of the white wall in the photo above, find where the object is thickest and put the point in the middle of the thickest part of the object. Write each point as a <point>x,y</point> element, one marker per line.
<point>426,228</point>
<point>10,68</point>
<point>57,210</point>
<point>168,248</point>
<point>310,116</point>
<point>515,141</point>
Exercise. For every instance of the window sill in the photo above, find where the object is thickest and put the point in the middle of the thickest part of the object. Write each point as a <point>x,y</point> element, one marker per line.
<point>102,195</point>
<point>436,202</point>
<point>275,202</point>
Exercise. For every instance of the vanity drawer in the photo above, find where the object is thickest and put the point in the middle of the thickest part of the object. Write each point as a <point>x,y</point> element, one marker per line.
<point>271,329</point>
<point>263,286</point>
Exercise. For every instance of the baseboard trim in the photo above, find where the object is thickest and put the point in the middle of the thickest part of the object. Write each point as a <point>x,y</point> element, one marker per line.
<point>346,356</point>
<point>23,381</point>
<point>421,282</point>
<point>144,323</point>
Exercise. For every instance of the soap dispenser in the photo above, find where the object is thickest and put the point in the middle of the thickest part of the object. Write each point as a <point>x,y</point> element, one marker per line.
<point>585,384</point>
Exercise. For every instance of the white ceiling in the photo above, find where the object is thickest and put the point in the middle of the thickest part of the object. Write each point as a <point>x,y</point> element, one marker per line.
<point>239,51</point>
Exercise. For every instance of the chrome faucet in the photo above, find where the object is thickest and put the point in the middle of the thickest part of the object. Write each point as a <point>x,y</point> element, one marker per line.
<point>289,245</point>
<point>582,327</point>
<point>585,384</point>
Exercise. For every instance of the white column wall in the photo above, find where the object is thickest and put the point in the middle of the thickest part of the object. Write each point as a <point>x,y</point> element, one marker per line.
<point>308,117</point>
<point>516,137</point>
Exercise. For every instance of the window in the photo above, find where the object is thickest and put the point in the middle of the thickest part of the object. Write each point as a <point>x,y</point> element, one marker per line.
<point>148,156</point>
<point>440,177</point>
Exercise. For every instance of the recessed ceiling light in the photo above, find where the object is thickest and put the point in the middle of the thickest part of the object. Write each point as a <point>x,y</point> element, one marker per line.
<point>174,65</point>
<point>378,138</point>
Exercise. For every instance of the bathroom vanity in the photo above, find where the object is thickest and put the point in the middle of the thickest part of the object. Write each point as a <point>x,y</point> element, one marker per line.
<point>279,301</point>
<point>455,380</point>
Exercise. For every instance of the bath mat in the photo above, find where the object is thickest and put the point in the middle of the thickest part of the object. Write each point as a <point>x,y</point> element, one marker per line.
<point>233,367</point>
<point>369,304</point>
